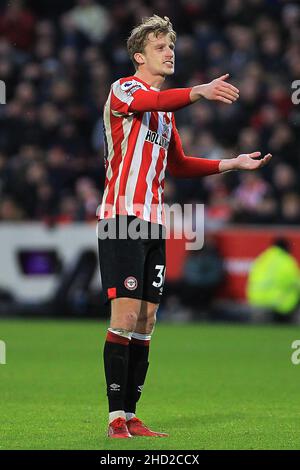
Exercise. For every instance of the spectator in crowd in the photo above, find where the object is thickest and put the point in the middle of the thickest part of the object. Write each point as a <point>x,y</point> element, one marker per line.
<point>290,209</point>
<point>17,25</point>
<point>90,18</point>
<point>274,281</point>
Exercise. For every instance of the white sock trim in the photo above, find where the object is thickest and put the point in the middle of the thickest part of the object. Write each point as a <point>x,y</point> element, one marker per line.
<point>120,332</point>
<point>116,414</point>
<point>141,337</point>
<point>129,416</point>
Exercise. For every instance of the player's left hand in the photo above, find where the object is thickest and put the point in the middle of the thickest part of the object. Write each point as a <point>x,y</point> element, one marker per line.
<point>217,90</point>
<point>248,161</point>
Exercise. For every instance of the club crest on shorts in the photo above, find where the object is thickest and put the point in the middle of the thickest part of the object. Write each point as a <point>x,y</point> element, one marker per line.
<point>131,283</point>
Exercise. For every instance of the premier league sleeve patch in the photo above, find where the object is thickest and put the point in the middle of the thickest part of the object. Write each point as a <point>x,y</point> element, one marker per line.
<point>130,87</point>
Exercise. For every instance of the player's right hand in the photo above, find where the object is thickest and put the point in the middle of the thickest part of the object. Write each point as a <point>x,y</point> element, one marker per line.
<point>217,90</point>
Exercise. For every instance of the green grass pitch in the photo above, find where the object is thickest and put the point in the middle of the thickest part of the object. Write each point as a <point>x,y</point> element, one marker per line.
<point>209,386</point>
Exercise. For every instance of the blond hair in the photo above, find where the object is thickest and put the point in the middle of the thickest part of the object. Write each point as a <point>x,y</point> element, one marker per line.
<point>139,35</point>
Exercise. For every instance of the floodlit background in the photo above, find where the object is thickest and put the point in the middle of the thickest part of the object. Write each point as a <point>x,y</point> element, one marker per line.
<point>58,59</point>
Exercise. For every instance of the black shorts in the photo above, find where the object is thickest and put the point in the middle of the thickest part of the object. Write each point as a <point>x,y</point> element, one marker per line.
<point>132,264</point>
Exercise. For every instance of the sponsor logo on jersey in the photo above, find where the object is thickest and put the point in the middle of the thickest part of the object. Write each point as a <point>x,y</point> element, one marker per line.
<point>158,139</point>
<point>131,283</point>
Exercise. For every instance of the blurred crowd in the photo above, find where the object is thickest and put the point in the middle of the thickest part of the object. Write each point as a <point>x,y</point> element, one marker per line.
<point>59,58</point>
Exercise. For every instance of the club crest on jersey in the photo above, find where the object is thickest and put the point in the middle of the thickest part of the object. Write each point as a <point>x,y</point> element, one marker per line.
<point>166,127</point>
<point>131,283</point>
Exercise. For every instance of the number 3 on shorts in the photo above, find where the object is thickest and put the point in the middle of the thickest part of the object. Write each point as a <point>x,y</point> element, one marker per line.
<point>161,274</point>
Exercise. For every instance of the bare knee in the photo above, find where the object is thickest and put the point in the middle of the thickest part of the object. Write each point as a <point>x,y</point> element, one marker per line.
<point>124,313</point>
<point>130,318</point>
<point>151,318</point>
<point>147,318</point>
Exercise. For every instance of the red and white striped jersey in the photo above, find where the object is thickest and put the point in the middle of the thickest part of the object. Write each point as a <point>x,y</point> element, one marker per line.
<point>139,132</point>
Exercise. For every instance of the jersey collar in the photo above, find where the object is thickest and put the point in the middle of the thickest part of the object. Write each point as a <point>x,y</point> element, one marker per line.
<point>138,79</point>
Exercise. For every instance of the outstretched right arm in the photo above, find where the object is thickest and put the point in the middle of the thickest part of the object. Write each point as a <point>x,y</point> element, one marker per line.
<point>167,100</point>
<point>132,97</point>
